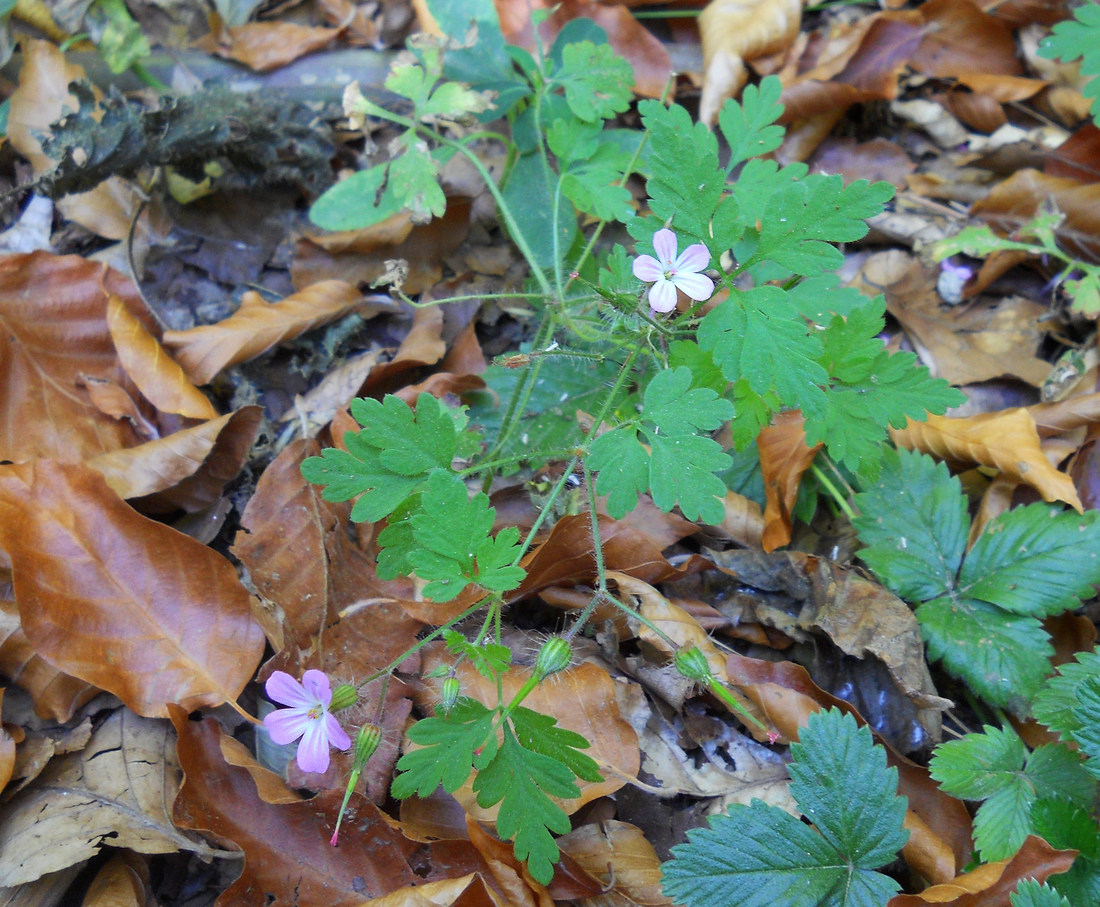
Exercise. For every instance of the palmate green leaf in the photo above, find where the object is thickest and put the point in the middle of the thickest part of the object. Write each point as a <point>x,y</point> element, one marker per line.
<point>914,523</point>
<point>1079,37</point>
<point>393,454</point>
<point>1036,560</point>
<point>490,659</point>
<point>995,767</point>
<point>522,782</point>
<point>757,336</point>
<point>446,754</point>
<point>680,465</point>
<point>760,856</point>
<point>450,542</point>
<point>750,127</point>
<point>1030,893</point>
<point>416,180</point>
<point>541,734</point>
<point>597,80</point>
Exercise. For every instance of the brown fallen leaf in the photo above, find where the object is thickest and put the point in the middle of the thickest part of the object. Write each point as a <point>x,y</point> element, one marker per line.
<point>119,600</point>
<point>468,891</point>
<point>117,790</point>
<point>784,459</point>
<point>7,753</point>
<point>1006,440</point>
<point>122,882</point>
<point>734,31</point>
<point>618,854</point>
<point>257,326</point>
<point>264,46</point>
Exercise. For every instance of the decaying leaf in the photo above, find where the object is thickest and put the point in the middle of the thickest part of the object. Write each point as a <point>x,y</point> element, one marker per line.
<point>784,458</point>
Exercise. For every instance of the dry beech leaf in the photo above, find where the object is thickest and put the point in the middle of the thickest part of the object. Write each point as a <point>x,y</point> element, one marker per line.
<point>53,313</point>
<point>619,855</point>
<point>743,521</point>
<point>189,467</point>
<point>54,693</point>
<point>159,378</point>
<point>784,458</point>
<point>734,31</point>
<point>257,326</point>
<point>119,600</point>
<point>7,753</point>
<point>115,791</point>
<point>42,98</point>
<point>992,884</point>
<point>1006,440</point>
<point>122,882</point>
<point>469,891</point>
<point>509,874</point>
<point>264,46</point>
<point>270,787</point>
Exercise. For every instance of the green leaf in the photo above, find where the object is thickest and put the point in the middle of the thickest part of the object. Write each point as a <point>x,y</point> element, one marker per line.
<point>529,192</point>
<point>446,754</point>
<point>680,465</point>
<point>451,543</point>
<point>522,782</point>
<point>596,79</point>
<point>757,335</point>
<point>1087,716</point>
<point>357,201</point>
<point>749,127</point>
<point>121,41</point>
<point>390,457</point>
<point>416,180</point>
<point>490,659</point>
<point>993,766</point>
<point>541,734</point>
<point>760,856</point>
<point>1036,560</point>
<point>1079,37</point>
<point>1030,893</point>
<point>1056,703</point>
<point>914,523</point>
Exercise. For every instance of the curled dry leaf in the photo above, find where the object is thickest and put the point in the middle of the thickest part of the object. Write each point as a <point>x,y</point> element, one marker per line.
<point>1008,441</point>
<point>257,326</point>
<point>190,466</point>
<point>264,46</point>
<point>53,312</point>
<point>123,881</point>
<point>784,458</point>
<point>158,377</point>
<point>992,884</point>
<point>734,31</point>
<point>618,854</point>
<point>119,600</point>
<point>116,790</point>
<point>470,889</point>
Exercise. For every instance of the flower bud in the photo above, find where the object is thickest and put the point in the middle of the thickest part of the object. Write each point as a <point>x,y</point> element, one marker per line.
<point>366,742</point>
<point>343,697</point>
<point>448,693</point>
<point>554,656</point>
<point>692,663</point>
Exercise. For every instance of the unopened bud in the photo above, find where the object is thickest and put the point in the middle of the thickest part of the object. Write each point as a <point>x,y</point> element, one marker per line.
<point>448,693</point>
<point>366,742</point>
<point>692,663</point>
<point>554,656</point>
<point>343,697</point>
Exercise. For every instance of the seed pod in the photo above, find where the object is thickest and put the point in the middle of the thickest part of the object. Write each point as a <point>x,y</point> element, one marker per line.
<point>343,697</point>
<point>448,693</point>
<point>692,663</point>
<point>555,655</point>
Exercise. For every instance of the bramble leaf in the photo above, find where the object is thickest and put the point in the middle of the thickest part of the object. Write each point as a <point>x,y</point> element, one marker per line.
<point>390,457</point>
<point>447,749</point>
<point>759,855</point>
<point>680,465</point>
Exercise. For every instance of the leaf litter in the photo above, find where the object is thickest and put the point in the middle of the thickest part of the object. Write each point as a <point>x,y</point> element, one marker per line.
<point>183,399</point>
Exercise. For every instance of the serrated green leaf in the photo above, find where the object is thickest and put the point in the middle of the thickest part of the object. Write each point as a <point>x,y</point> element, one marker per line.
<point>490,659</point>
<point>447,747</point>
<point>389,458</point>
<point>1031,893</point>
<point>1087,716</point>
<point>977,765</point>
<point>1079,37</point>
<point>757,336</point>
<point>415,179</point>
<point>680,466</point>
<point>914,523</point>
<point>597,80</point>
<point>522,782</point>
<point>750,126</point>
<point>1066,826</point>
<point>1003,656</point>
<point>1057,701</point>
<point>760,856</point>
<point>1035,560</point>
<point>541,734</point>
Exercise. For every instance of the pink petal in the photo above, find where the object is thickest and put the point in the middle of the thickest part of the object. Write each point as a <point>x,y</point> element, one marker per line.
<point>647,268</point>
<point>313,750</point>
<point>693,258</point>
<point>316,684</point>
<point>662,296</point>
<point>697,286</point>
<point>337,736</point>
<point>287,725</point>
<point>281,687</point>
<point>664,244</point>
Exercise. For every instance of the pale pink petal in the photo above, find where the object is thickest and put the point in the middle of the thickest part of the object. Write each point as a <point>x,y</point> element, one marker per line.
<point>287,725</point>
<point>664,244</point>
<point>281,687</point>
<point>337,736</point>
<point>316,685</point>
<point>662,296</point>
<point>693,258</point>
<point>647,268</point>
<point>313,750</point>
<point>697,286</point>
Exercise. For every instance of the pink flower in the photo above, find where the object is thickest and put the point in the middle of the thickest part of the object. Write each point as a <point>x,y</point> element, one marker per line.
<point>308,717</point>
<point>669,273</point>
